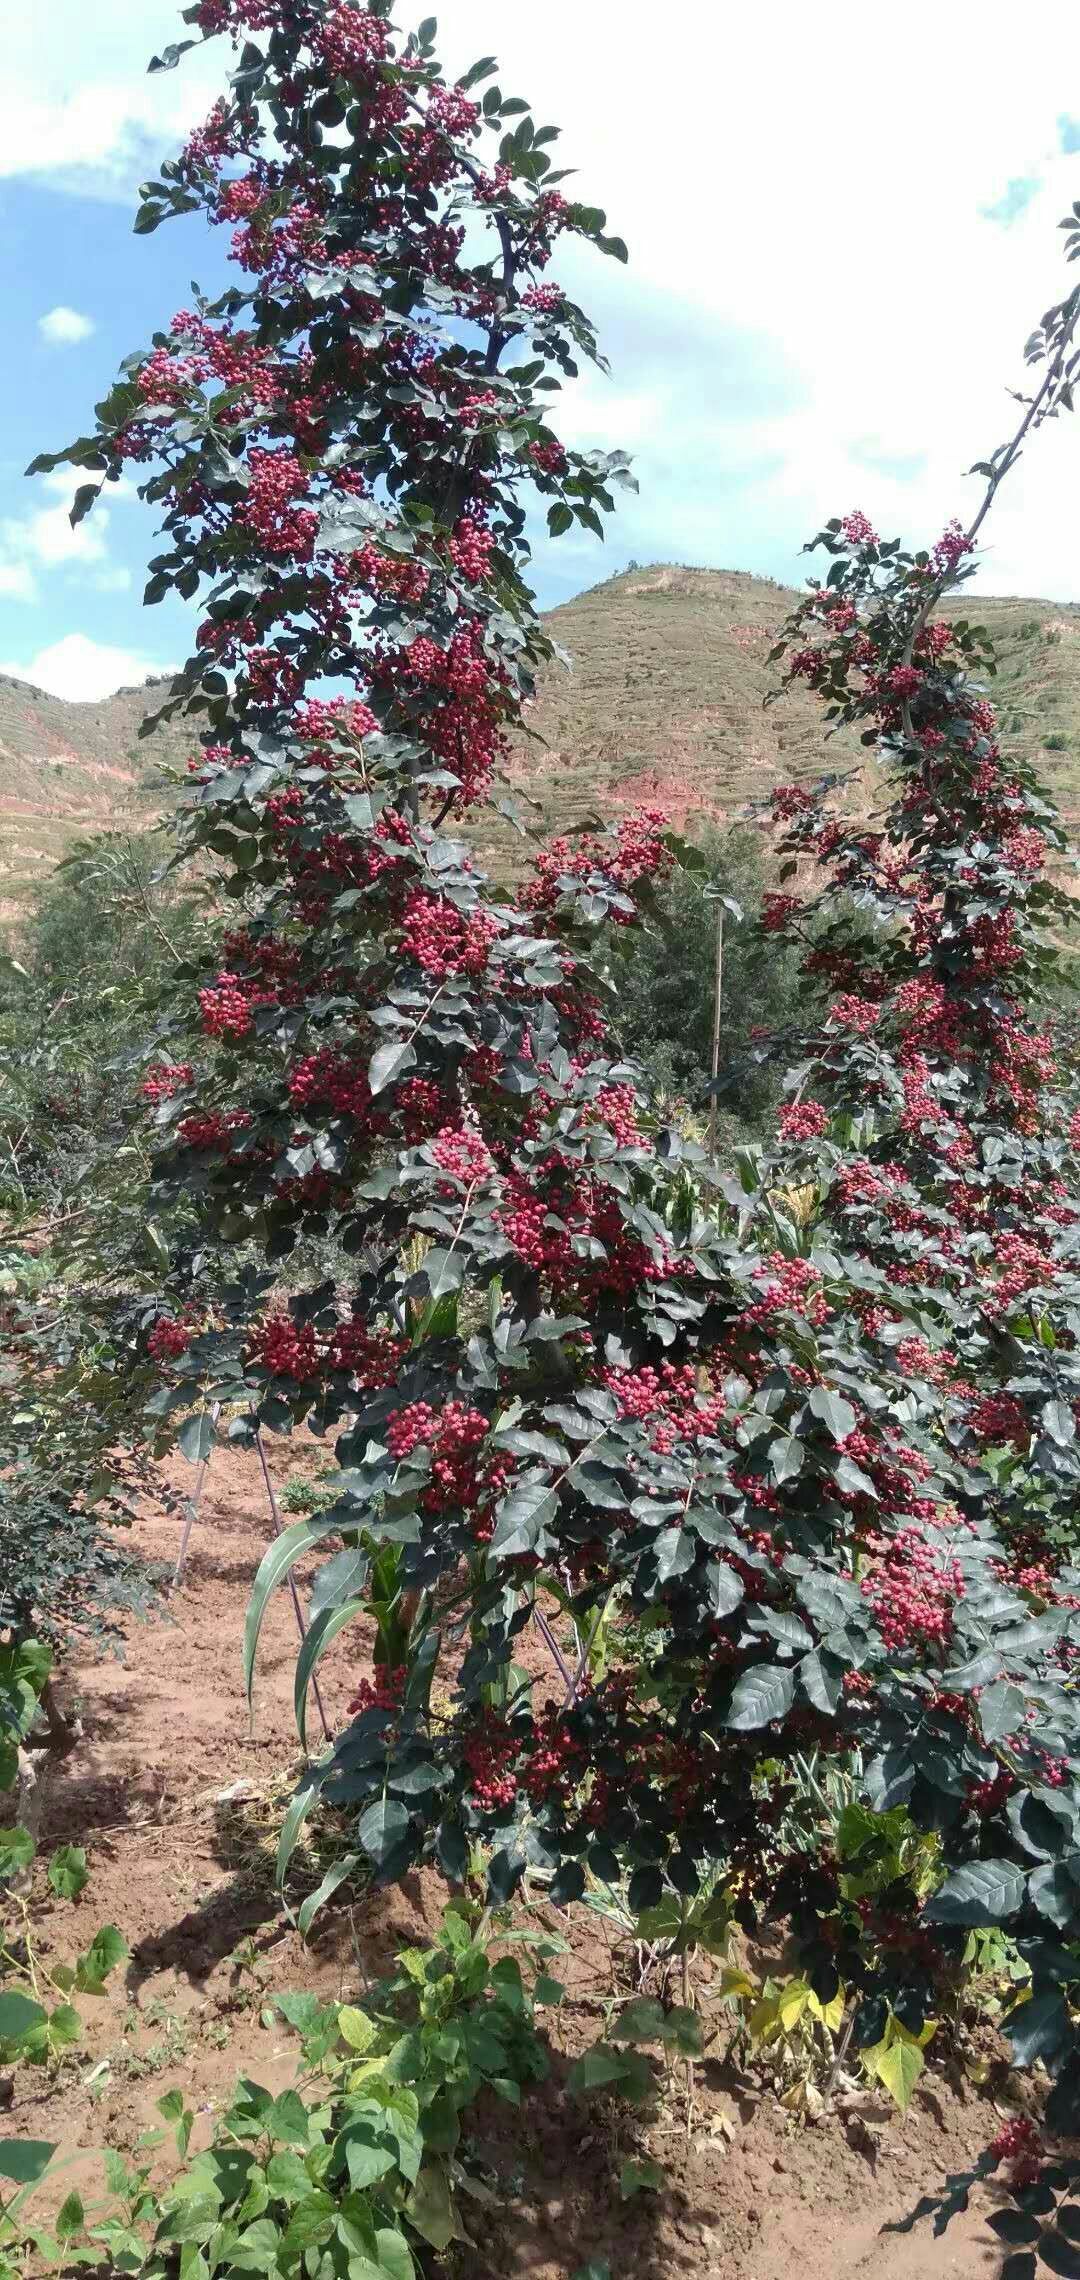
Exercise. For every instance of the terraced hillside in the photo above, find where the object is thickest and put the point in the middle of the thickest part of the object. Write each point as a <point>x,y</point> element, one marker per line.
<point>69,769</point>
<point>666,699</point>
<point>664,705</point>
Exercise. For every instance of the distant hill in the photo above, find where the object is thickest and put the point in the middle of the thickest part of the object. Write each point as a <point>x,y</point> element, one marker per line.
<point>70,769</point>
<point>666,699</point>
<point>664,706</point>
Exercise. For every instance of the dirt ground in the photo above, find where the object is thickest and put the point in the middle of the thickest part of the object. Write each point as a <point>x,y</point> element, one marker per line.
<point>177,1801</point>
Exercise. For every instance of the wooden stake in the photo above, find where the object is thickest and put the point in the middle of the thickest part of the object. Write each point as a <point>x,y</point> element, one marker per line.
<point>717,1002</point>
<point>194,1502</point>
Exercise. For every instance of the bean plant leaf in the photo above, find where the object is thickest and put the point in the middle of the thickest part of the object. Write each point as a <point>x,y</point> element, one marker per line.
<point>68,1872</point>
<point>25,2160</point>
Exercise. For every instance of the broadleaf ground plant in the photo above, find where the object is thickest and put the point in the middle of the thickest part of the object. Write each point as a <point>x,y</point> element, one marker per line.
<point>818,1467</point>
<point>39,2020</point>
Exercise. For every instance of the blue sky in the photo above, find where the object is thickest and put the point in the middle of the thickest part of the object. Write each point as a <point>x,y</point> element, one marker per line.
<point>841,225</point>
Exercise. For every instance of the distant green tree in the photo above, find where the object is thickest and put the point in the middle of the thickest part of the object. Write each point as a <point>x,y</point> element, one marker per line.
<point>666,985</point>
<point>81,1001</point>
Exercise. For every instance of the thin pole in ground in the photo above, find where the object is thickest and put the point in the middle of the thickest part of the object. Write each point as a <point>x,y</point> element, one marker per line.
<point>194,1501</point>
<point>301,1623</point>
<point>717,1002</point>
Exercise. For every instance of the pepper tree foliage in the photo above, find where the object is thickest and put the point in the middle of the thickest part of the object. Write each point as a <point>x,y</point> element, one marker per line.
<point>823,1469</point>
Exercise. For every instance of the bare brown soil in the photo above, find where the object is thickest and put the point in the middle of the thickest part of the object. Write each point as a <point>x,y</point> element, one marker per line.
<point>177,1801</point>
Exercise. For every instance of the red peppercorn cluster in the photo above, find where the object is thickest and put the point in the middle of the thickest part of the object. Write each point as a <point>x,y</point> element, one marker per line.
<point>488,1754</point>
<point>456,1435</point>
<point>803,1120</point>
<point>555,1762</point>
<point>998,1420</point>
<point>914,1591</point>
<point>442,942</point>
<point>371,1358</point>
<point>859,530</point>
<point>286,1348</point>
<point>790,1286</point>
<point>777,912</point>
<point>857,1013</point>
<point>464,1155</point>
<point>550,458</point>
<point>165,1080</point>
<point>227,1007</point>
<point>237,15</point>
<point>270,510</point>
<point>671,1400</point>
<point>169,1339</point>
<point>545,299</point>
<point>384,1692</point>
<point>213,1128</point>
<point>471,550</point>
<point>336,1081</point>
<point>790,800</point>
<point>1020,2143</point>
<point>636,853</point>
<point>950,549</point>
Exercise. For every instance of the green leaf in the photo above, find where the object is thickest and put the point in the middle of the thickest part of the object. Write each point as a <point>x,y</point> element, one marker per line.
<point>65,2027</point>
<point>257,2248</point>
<point>68,1872</point>
<point>548,1992</point>
<point>173,2109</point>
<point>833,1411</point>
<point>675,1551</point>
<point>395,2255</point>
<point>289,2119</point>
<point>16,1850</point>
<point>311,2224</point>
<point>321,1630</point>
<point>19,2015</point>
<point>523,1515</point>
<point>71,2217</point>
<point>640,2021</point>
<point>640,2177</point>
<point>982,1892</point>
<point>196,1438</point>
<point>355,2028</point>
<point>105,1952</point>
<point>382,1829</point>
<point>339,1872</point>
<point>393,2260</point>
<point>281,1555</point>
<point>762,1695</point>
<point>1038,2029</point>
<point>24,2160</point>
<point>598,2068</point>
<point>389,1062</point>
<point>431,2209</point>
<point>898,2066</point>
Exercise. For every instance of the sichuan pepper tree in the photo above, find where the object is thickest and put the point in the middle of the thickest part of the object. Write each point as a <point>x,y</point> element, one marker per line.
<point>564,1356</point>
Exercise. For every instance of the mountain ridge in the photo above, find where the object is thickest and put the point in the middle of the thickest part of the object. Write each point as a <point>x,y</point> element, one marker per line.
<point>665,706</point>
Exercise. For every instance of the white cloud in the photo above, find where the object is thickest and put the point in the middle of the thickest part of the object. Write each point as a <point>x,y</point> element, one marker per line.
<point>17,582</point>
<point>84,670</point>
<point>63,326</point>
<point>800,180</point>
<point>44,541</point>
<point>76,105</point>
